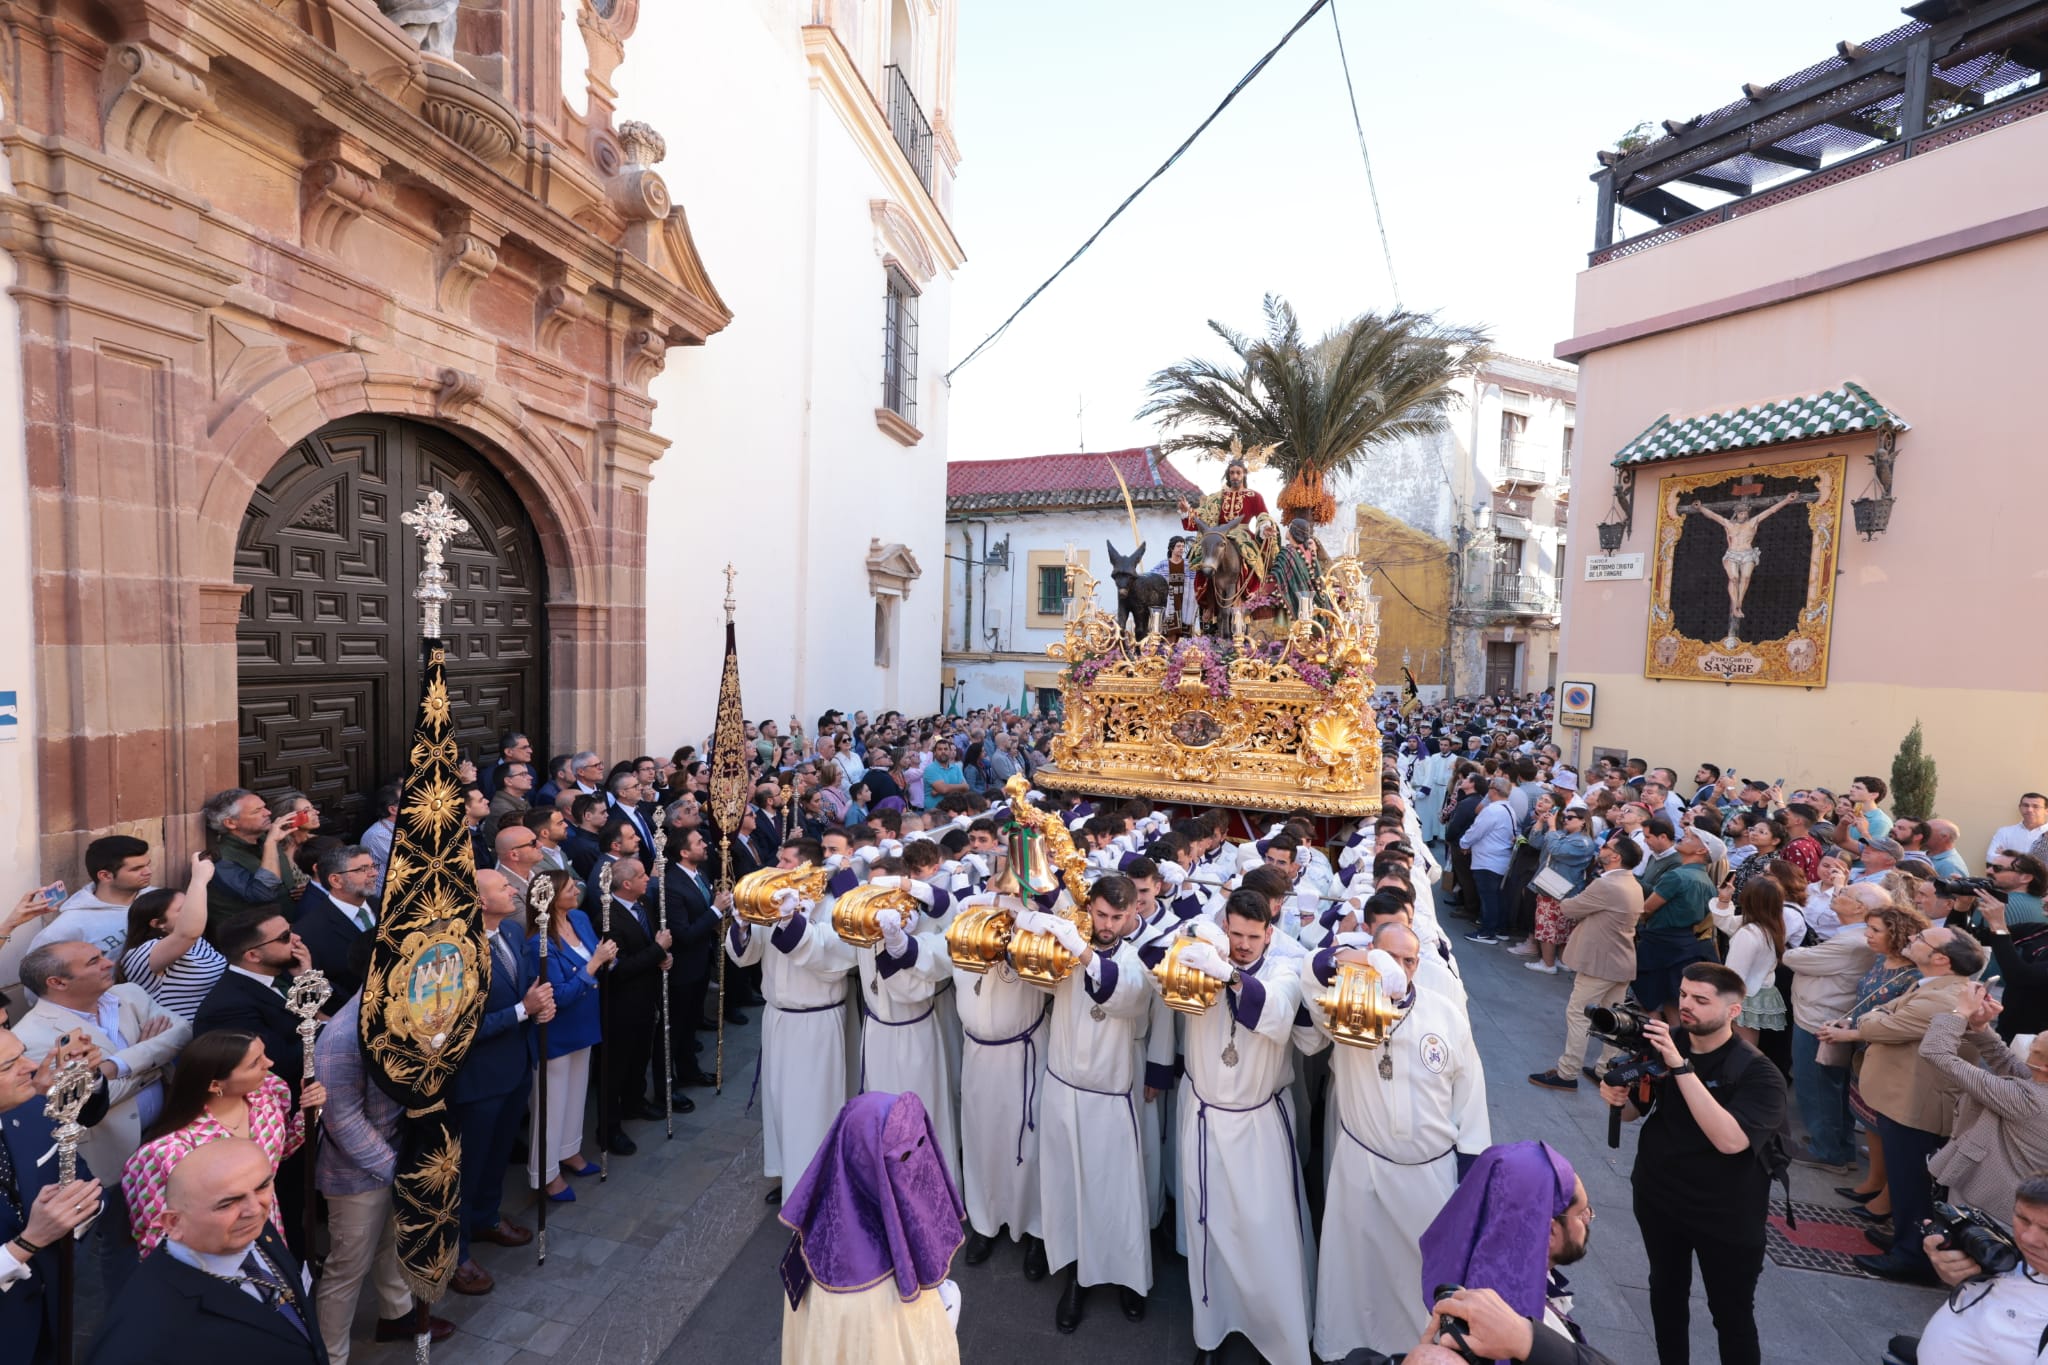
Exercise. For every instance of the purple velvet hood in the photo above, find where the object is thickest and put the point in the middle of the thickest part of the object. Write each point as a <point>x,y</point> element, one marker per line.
<point>1495,1231</point>
<point>876,1202</point>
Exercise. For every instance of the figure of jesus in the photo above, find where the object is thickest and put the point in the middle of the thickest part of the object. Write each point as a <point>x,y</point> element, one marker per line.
<point>1743,556</point>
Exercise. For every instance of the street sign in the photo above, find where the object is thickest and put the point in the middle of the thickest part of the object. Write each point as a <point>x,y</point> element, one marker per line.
<point>1575,706</point>
<point>1608,567</point>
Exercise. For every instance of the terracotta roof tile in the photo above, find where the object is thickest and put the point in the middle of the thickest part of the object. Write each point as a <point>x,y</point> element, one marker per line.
<point>1059,480</point>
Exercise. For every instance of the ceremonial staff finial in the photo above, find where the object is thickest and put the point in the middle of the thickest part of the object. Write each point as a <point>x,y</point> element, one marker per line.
<point>435,523</point>
<point>730,604</point>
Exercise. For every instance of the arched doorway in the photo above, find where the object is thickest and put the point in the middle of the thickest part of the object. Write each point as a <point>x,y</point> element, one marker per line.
<point>329,639</point>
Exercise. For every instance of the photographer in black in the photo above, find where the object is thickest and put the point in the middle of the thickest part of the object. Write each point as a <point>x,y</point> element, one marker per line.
<point>1702,1179</point>
<point>1998,1307</point>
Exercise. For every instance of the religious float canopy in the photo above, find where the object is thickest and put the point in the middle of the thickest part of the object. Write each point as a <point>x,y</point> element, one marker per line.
<point>1279,724</point>
<point>1744,582</point>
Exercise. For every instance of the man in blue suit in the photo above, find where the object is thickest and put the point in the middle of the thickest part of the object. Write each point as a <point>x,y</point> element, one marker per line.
<point>488,1091</point>
<point>36,1213</point>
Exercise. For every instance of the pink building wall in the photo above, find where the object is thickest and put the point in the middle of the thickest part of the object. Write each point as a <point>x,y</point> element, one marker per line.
<point>1925,282</point>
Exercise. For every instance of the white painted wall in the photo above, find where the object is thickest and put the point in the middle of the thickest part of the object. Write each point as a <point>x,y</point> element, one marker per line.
<point>777,464</point>
<point>1010,593</point>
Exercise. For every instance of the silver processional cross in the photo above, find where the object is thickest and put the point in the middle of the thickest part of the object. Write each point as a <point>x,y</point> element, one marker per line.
<point>435,523</point>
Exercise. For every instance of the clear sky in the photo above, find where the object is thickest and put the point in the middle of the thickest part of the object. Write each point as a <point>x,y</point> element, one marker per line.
<point>1482,117</point>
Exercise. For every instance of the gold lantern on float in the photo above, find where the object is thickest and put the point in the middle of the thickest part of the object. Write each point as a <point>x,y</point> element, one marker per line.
<point>1356,1006</point>
<point>979,937</point>
<point>1036,840</point>
<point>1183,987</point>
<point>854,915</point>
<point>753,896</point>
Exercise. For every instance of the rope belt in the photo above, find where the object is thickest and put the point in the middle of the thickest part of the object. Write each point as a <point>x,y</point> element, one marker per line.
<point>1393,1161</point>
<point>759,1056</point>
<point>888,1023</point>
<point>1028,1039</point>
<point>1123,1095</point>
<point>1278,1099</point>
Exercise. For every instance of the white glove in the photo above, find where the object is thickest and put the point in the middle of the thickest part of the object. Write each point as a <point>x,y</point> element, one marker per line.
<point>1030,922</point>
<point>1206,960</point>
<point>975,864</point>
<point>1211,933</point>
<point>834,863</point>
<point>1391,975</point>
<point>1069,937</point>
<point>894,940</point>
<point>868,854</point>
<point>892,847</point>
<point>949,1299</point>
<point>915,888</point>
<point>1173,874</point>
<point>787,903</point>
<point>1356,938</point>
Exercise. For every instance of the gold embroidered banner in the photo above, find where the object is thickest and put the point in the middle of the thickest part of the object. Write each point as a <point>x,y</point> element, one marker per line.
<point>425,991</point>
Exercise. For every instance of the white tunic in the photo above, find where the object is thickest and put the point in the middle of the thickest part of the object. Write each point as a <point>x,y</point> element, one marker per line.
<point>1091,1177</point>
<point>1393,1167</point>
<point>1005,1032</point>
<point>1251,1253</point>
<point>902,1045</point>
<point>804,1072</point>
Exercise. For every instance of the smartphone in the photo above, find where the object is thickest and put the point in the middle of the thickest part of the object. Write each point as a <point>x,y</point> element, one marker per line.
<point>1779,784</point>
<point>53,894</point>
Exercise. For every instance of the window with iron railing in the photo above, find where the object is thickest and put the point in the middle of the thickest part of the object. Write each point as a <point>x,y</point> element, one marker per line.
<point>913,132</point>
<point>899,347</point>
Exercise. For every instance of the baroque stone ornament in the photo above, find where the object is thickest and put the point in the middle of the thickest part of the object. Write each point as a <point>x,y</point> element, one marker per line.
<point>1282,726</point>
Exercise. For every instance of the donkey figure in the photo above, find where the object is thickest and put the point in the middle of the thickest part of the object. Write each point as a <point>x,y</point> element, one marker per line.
<point>1137,593</point>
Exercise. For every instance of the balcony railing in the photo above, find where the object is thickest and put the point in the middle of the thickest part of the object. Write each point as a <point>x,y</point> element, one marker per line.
<point>1521,594</point>
<point>1518,466</point>
<point>912,130</point>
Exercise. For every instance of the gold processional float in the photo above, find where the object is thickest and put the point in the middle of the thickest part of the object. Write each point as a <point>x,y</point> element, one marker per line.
<point>1269,724</point>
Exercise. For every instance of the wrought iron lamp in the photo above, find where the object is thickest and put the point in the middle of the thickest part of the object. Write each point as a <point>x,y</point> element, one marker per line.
<point>1874,509</point>
<point>1621,519</point>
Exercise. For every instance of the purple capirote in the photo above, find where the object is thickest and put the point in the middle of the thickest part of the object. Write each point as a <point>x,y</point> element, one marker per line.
<point>876,1202</point>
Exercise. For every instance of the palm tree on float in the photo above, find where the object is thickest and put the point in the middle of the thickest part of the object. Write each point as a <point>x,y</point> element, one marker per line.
<point>1323,406</point>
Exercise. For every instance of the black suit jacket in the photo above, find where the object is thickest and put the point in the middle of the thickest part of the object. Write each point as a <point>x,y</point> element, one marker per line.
<point>171,1314</point>
<point>28,1310</point>
<point>767,836</point>
<point>694,924</point>
<point>581,849</point>
<point>238,1002</point>
<point>329,935</point>
<point>633,988</point>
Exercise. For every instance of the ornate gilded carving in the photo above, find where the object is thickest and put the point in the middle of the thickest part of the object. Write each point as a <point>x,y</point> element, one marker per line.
<point>150,98</point>
<point>1281,725</point>
<point>1744,581</point>
<point>332,197</point>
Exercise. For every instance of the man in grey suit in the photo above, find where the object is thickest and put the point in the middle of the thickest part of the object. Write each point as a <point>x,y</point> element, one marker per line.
<point>1601,950</point>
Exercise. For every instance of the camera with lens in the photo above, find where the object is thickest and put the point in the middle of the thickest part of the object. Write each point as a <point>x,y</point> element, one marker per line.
<point>1976,1234</point>
<point>1638,1062</point>
<point>1455,1327</point>
<point>1967,886</point>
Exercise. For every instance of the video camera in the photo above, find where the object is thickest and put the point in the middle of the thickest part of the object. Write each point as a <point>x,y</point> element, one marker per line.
<point>1976,1234</point>
<point>1637,1066</point>
<point>1967,886</point>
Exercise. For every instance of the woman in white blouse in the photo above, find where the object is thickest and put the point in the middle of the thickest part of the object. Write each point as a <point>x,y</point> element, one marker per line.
<point>1755,926</point>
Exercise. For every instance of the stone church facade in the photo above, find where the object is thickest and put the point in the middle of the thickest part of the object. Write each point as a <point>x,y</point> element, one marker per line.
<point>278,272</point>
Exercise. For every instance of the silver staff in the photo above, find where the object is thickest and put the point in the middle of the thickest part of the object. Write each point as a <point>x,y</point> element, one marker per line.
<point>540,895</point>
<point>308,992</point>
<point>668,1044</point>
<point>607,1120</point>
<point>73,1088</point>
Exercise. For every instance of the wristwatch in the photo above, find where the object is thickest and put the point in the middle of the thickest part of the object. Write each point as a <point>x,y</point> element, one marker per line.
<point>1682,1069</point>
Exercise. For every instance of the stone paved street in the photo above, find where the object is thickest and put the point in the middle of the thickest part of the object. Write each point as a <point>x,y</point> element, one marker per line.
<point>673,1260</point>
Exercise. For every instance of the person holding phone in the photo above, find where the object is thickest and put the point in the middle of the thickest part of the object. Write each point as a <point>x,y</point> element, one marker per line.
<point>118,868</point>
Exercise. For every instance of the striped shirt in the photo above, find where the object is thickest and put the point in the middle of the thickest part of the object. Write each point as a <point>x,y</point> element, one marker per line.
<point>183,985</point>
